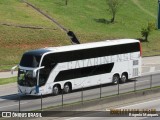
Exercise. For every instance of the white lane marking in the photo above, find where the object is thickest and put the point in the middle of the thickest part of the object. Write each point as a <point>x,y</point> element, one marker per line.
<point>133,82</point>
<point>12,105</point>
<point>150,73</point>
<point>138,104</point>
<point>73,118</point>
<point>150,64</point>
<point>152,69</point>
<point>2,100</point>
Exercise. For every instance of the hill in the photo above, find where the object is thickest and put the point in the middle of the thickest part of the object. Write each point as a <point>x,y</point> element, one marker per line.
<point>22,28</point>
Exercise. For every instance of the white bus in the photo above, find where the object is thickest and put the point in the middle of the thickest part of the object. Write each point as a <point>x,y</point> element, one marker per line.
<point>51,70</point>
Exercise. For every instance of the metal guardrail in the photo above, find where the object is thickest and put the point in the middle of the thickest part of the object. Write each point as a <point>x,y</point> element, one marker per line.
<point>97,92</point>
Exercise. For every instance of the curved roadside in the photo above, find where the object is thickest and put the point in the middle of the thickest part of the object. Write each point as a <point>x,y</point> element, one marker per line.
<point>8,74</point>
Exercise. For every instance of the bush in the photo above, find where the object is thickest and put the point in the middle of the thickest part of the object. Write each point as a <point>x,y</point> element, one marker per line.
<point>152,25</point>
<point>145,31</point>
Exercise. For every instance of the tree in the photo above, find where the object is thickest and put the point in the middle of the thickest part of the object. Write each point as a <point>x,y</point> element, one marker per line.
<point>145,32</point>
<point>113,6</point>
<point>66,2</point>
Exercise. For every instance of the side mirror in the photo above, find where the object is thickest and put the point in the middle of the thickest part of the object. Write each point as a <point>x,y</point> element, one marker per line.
<point>35,71</point>
<point>13,68</point>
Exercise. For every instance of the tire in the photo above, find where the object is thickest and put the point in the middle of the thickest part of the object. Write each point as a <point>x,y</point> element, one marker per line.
<point>115,79</point>
<point>124,78</point>
<point>55,90</point>
<point>67,88</point>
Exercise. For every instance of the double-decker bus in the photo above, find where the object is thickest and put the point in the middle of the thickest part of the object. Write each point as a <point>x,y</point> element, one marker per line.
<point>53,69</point>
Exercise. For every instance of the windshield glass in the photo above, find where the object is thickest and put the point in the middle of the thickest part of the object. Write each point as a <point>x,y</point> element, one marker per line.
<point>25,78</point>
<point>30,61</point>
<point>43,76</point>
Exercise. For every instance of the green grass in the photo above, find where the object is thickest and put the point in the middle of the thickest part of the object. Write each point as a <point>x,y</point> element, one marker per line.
<point>15,41</point>
<point>4,68</point>
<point>16,12</point>
<point>151,7</point>
<point>79,16</point>
<point>7,80</point>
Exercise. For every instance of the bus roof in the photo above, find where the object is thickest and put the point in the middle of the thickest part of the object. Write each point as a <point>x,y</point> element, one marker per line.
<point>90,45</point>
<point>40,52</point>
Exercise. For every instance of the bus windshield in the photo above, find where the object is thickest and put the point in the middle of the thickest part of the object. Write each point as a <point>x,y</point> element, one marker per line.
<point>30,61</point>
<point>25,78</point>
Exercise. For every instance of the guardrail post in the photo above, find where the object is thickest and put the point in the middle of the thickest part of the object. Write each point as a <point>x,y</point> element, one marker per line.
<point>62,97</point>
<point>151,82</point>
<point>100,90</point>
<point>19,97</point>
<point>41,101</point>
<point>82,95</point>
<point>118,87</point>
<point>135,85</point>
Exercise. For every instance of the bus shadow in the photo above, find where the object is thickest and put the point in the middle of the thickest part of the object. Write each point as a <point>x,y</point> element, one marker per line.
<point>17,97</point>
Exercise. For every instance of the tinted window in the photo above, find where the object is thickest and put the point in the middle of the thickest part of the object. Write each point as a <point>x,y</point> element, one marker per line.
<point>30,61</point>
<point>32,58</point>
<point>84,72</point>
<point>95,52</point>
<point>48,62</point>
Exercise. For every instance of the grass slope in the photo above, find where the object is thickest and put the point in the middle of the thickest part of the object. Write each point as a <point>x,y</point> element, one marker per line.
<point>80,16</point>
<point>7,80</point>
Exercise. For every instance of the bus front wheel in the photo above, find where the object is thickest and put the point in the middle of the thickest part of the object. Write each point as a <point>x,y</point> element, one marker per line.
<point>55,90</point>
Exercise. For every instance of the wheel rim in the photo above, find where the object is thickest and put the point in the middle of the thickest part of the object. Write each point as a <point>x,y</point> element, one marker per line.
<point>123,78</point>
<point>66,88</point>
<point>115,79</point>
<point>55,90</point>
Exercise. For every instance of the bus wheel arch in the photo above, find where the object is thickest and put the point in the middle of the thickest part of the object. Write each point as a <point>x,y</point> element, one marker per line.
<point>115,78</point>
<point>67,87</point>
<point>56,89</point>
<point>124,77</point>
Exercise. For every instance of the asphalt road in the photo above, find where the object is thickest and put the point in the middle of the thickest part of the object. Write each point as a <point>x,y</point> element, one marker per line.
<point>10,102</point>
<point>153,104</point>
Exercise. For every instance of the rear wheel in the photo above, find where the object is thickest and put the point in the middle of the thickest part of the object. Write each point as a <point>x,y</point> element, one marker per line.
<point>115,79</point>
<point>124,78</point>
<point>67,88</point>
<point>55,90</point>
